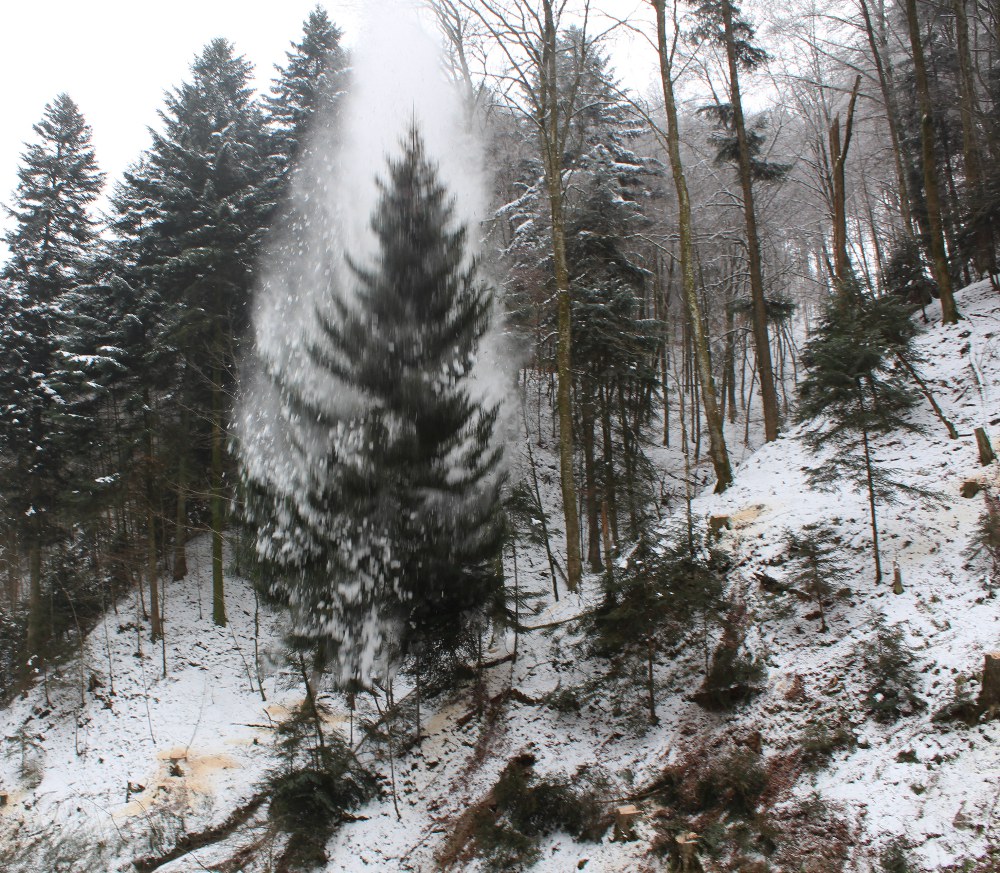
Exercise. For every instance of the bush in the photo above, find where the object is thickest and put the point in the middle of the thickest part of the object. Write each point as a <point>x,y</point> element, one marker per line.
<point>821,739</point>
<point>889,663</point>
<point>650,606</point>
<point>727,780</point>
<point>736,781</point>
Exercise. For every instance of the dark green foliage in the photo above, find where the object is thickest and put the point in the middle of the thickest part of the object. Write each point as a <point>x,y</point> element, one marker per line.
<point>727,148</point>
<point>46,433</point>
<point>43,404</point>
<point>822,738</point>
<point>735,673</point>
<point>816,571</point>
<point>984,542</point>
<point>525,808</point>
<point>890,667</point>
<point>662,590</point>
<point>894,857</point>
<point>393,550</point>
<point>318,780</point>
<point>309,87</point>
<point>729,780</point>
<point>653,604</point>
<point>851,393</point>
<point>711,28</point>
<point>13,630</point>
<point>849,360</point>
<point>735,782</point>
<point>905,275</point>
<point>190,218</point>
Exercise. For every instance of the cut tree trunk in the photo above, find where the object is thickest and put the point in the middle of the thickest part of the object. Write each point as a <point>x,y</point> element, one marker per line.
<point>989,693</point>
<point>986,454</point>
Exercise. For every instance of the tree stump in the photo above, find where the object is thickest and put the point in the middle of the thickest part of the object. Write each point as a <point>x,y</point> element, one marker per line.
<point>685,854</point>
<point>625,817</point>
<point>989,694</point>
<point>986,454</point>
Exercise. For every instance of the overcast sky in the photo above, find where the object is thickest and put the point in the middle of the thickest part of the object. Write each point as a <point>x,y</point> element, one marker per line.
<point>116,58</point>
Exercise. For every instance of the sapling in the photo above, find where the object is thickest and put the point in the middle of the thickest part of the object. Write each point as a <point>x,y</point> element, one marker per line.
<point>815,572</point>
<point>851,394</point>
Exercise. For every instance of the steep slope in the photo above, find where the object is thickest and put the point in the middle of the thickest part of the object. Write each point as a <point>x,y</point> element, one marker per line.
<point>96,780</point>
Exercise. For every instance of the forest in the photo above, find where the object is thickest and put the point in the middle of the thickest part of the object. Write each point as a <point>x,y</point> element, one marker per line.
<point>417,388</point>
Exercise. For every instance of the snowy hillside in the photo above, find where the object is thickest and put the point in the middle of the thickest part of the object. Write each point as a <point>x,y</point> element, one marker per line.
<point>105,766</point>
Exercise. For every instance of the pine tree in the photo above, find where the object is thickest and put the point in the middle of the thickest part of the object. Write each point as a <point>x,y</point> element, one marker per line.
<point>192,216</point>
<point>309,87</point>
<point>393,551</point>
<point>50,251</point>
<point>851,394</point>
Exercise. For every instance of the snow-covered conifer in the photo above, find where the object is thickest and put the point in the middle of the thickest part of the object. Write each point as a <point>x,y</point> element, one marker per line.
<point>50,252</point>
<point>393,550</point>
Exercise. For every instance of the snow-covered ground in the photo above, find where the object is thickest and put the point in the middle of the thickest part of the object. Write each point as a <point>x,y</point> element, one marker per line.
<point>96,779</point>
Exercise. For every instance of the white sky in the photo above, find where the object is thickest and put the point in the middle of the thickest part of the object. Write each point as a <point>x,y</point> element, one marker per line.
<point>116,58</point>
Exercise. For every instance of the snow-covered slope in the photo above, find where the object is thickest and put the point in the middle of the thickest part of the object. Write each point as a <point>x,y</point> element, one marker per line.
<point>97,779</point>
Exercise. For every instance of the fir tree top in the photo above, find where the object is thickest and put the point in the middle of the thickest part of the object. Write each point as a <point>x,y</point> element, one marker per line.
<point>57,182</point>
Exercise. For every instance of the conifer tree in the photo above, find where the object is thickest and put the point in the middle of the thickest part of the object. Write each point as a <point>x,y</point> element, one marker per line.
<point>851,393</point>
<point>191,217</point>
<point>815,571</point>
<point>50,251</point>
<point>309,86</point>
<point>393,551</point>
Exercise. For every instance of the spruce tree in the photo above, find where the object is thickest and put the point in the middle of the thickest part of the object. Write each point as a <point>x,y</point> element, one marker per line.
<point>50,247</point>
<point>308,87</point>
<point>393,551</point>
<point>191,217</point>
<point>851,394</point>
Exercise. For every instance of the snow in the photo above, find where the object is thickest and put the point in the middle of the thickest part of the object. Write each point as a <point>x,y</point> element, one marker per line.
<point>195,745</point>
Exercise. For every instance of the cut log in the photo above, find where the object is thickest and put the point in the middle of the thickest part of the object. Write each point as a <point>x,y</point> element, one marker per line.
<point>986,454</point>
<point>625,817</point>
<point>989,694</point>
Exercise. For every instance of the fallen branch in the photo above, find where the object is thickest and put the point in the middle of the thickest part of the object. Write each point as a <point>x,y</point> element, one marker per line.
<point>190,842</point>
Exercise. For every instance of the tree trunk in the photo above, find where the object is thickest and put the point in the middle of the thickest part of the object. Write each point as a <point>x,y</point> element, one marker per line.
<point>932,192</point>
<point>982,250</point>
<point>551,139</point>
<point>869,473</point>
<point>36,611</point>
<point>152,575</point>
<point>217,501</point>
<point>989,692</point>
<point>590,489</point>
<point>838,160</point>
<point>892,117</point>
<point>713,415</point>
<point>180,520</point>
<point>762,345</point>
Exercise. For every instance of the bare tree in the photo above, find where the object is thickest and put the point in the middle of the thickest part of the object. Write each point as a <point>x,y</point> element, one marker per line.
<point>525,36</point>
<point>713,415</point>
